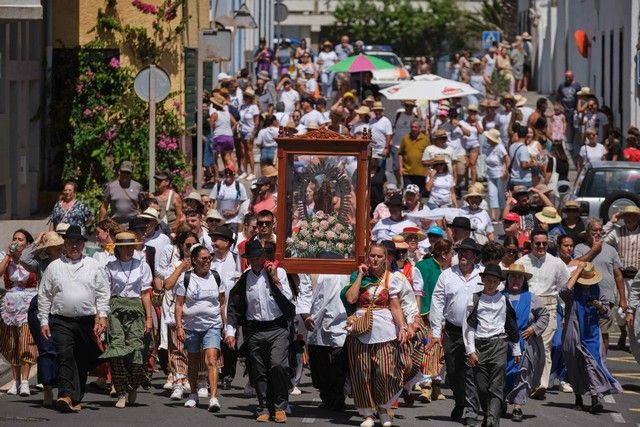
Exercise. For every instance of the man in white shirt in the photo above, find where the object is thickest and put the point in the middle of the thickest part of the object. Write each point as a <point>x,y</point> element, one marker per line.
<point>261,303</point>
<point>381,134</point>
<point>289,96</point>
<point>309,114</point>
<point>549,274</point>
<point>156,238</point>
<point>449,305</point>
<point>388,227</point>
<point>73,305</point>
<point>229,195</point>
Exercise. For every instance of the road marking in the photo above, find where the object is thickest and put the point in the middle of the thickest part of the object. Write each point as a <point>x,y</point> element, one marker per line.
<point>630,375</point>
<point>634,409</point>
<point>630,392</point>
<point>308,420</point>
<point>625,359</point>
<point>617,417</point>
<point>609,399</point>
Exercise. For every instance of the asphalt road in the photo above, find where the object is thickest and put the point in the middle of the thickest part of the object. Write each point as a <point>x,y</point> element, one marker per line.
<point>155,408</point>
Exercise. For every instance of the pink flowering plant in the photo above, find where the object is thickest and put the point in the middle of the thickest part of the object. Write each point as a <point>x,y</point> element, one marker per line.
<point>321,233</point>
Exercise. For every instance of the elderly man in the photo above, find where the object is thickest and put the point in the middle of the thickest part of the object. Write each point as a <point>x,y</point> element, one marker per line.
<point>549,275</point>
<point>121,196</point>
<point>606,260</point>
<point>73,304</point>
<point>411,149</point>
<point>449,305</point>
<point>626,240</point>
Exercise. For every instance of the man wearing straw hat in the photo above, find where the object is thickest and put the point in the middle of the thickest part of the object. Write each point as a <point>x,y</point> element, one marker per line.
<point>73,304</point>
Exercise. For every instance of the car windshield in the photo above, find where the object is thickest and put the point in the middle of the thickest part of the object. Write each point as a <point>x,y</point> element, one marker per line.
<point>603,182</point>
<point>391,59</point>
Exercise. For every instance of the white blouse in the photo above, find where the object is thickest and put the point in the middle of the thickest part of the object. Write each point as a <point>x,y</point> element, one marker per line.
<point>128,279</point>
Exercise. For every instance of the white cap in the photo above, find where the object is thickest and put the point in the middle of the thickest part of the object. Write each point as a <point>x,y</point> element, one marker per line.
<point>223,76</point>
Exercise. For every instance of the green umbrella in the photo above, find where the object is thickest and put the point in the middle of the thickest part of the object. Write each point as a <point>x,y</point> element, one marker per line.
<point>359,64</point>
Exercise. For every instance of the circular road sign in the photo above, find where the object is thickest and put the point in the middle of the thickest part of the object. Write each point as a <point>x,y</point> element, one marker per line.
<point>160,80</point>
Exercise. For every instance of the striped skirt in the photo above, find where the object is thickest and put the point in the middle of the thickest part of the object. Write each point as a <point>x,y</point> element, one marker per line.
<point>412,358</point>
<point>433,358</point>
<point>375,374</point>
<point>177,354</point>
<point>17,345</point>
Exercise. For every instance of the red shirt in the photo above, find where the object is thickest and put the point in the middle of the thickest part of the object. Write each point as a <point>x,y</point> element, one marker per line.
<point>631,154</point>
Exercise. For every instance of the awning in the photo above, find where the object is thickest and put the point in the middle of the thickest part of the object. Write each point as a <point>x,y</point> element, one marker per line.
<point>12,10</point>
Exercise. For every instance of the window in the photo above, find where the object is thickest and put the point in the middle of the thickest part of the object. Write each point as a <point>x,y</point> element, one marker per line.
<point>190,83</point>
<point>601,183</point>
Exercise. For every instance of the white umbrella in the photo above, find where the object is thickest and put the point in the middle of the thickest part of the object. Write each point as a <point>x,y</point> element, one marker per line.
<point>428,87</point>
<point>447,214</point>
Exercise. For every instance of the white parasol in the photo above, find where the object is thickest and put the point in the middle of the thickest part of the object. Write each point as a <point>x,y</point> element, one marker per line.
<point>428,87</point>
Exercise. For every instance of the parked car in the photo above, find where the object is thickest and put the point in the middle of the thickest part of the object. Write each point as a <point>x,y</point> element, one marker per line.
<point>391,76</point>
<point>604,188</point>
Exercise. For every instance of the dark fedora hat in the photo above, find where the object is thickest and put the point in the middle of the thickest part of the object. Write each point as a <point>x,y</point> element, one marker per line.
<point>468,244</point>
<point>224,232</point>
<point>493,270</point>
<point>138,224</point>
<point>395,200</point>
<point>253,249</point>
<point>391,247</point>
<point>461,222</point>
<point>74,232</point>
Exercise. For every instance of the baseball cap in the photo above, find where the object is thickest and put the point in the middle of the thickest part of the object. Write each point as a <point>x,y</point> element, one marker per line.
<point>223,76</point>
<point>391,188</point>
<point>126,166</point>
<point>412,188</point>
<point>435,231</point>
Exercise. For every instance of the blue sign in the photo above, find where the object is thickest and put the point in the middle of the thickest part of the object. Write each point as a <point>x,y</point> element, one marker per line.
<point>488,37</point>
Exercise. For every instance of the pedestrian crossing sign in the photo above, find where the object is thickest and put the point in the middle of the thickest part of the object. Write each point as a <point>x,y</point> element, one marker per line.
<point>488,37</point>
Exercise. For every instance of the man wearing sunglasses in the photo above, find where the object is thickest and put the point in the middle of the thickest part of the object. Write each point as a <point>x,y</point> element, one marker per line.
<point>265,223</point>
<point>549,274</point>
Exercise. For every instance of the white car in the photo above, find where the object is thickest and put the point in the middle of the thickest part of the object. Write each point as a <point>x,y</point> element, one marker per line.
<point>390,76</point>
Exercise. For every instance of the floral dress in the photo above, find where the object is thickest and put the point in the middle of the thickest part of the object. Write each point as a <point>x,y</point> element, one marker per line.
<point>78,214</point>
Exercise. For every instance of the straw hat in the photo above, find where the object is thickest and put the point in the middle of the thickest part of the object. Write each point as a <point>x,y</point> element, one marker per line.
<point>409,102</point>
<point>398,240</point>
<point>150,213</point>
<point>369,99</point>
<point>526,36</point>
<point>440,133</point>
<point>507,97</point>
<point>472,107</point>
<point>218,100</point>
<point>363,110</point>
<point>504,44</point>
<point>126,239</point>
<point>194,195</point>
<point>520,100</point>
<point>50,239</point>
<point>473,192</point>
<point>549,215</point>
<point>493,135</point>
<point>584,91</point>
<point>61,228</point>
<point>313,126</point>
<point>543,188</point>
<point>377,106</point>
<point>215,215</point>
<point>589,275</point>
<point>516,269</point>
<point>571,204</point>
<point>249,92</point>
<point>631,210</point>
<point>413,231</point>
<point>437,159</point>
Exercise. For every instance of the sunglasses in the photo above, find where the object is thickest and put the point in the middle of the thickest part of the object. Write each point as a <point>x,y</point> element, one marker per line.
<point>207,259</point>
<point>264,223</point>
<point>541,243</point>
<point>512,251</point>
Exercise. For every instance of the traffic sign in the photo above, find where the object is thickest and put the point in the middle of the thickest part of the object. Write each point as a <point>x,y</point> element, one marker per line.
<point>488,37</point>
<point>154,81</point>
<point>281,12</point>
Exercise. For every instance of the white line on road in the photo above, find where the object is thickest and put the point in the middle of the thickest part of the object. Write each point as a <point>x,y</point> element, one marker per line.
<point>308,420</point>
<point>617,417</point>
<point>609,399</point>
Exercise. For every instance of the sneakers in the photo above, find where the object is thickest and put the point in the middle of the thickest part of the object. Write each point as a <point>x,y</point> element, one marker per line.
<point>385,419</point>
<point>178,390</point>
<point>214,405</point>
<point>596,405</point>
<point>425,394</point>
<point>251,177</point>
<point>249,391</point>
<point>13,390</point>
<point>186,386</point>
<point>565,387</point>
<point>122,400</point>
<point>295,391</point>
<point>24,388</point>
<point>113,392</point>
<point>47,399</point>
<point>242,175</point>
<point>263,418</point>
<point>280,416</point>
<point>65,404</point>
<point>203,391</point>
<point>192,401</point>
<point>516,415</point>
<point>368,422</point>
<point>169,384</point>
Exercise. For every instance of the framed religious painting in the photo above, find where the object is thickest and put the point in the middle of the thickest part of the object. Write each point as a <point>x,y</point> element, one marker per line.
<point>323,206</point>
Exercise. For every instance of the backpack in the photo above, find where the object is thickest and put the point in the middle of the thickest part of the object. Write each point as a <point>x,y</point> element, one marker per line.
<point>187,279</point>
<point>219,185</point>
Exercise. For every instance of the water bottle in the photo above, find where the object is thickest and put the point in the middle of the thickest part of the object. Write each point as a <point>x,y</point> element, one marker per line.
<point>13,248</point>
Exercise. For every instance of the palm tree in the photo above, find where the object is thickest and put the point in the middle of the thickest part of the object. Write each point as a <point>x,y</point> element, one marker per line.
<point>499,15</point>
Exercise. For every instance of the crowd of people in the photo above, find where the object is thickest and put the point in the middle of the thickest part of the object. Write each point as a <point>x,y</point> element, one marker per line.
<point>185,286</point>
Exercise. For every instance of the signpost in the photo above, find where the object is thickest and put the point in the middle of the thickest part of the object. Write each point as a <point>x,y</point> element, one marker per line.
<point>280,13</point>
<point>488,37</point>
<point>152,84</point>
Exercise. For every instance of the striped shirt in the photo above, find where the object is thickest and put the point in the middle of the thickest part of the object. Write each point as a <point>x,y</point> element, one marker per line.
<point>626,242</point>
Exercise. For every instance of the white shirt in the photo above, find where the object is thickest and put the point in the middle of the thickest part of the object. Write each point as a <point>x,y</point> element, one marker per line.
<point>491,315</point>
<point>289,98</point>
<point>73,289</point>
<point>503,118</point>
<point>480,220</point>
<point>383,328</point>
<point>402,125</point>
<point>205,240</point>
<point>158,241</point>
<point>380,129</point>
<point>168,256</point>
<point>103,257</point>
<point>386,228</point>
<point>407,299</point>
<point>128,279</point>
<point>472,140</point>
<point>267,137</point>
<point>228,268</point>
<point>450,297</point>
<point>441,190</point>
<point>261,306</point>
<point>201,310</point>
<point>590,154</point>
<point>313,116</point>
<point>454,138</point>
<point>359,127</point>
<point>247,113</point>
<point>229,198</point>
<point>328,59</point>
<point>549,274</point>
<point>494,159</point>
<point>283,118</point>
<point>433,150</point>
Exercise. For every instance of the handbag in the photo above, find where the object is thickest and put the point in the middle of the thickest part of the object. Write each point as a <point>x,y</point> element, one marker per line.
<point>156,297</point>
<point>361,325</point>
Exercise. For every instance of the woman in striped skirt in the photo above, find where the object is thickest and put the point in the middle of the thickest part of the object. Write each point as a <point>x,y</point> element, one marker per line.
<point>16,343</point>
<point>177,353</point>
<point>373,347</point>
<point>429,270</point>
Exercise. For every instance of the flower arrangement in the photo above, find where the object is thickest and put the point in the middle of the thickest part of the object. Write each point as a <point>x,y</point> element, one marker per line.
<point>322,233</point>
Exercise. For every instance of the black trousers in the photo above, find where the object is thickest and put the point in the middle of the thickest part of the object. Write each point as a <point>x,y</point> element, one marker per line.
<point>77,353</point>
<point>459,375</point>
<point>489,376</point>
<point>269,359</point>
<point>47,357</point>
<point>230,357</point>
<point>328,373</point>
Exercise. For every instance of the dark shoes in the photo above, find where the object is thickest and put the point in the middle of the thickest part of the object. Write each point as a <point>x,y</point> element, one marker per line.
<point>516,415</point>
<point>539,394</point>
<point>596,405</point>
<point>226,384</point>
<point>456,414</point>
<point>578,403</point>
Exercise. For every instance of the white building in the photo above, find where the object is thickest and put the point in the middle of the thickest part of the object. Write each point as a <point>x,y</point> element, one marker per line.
<point>610,68</point>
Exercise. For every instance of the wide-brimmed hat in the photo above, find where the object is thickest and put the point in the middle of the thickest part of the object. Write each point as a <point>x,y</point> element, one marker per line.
<point>150,213</point>
<point>50,239</point>
<point>398,241</point>
<point>571,204</point>
<point>362,110</point>
<point>468,244</point>
<point>584,91</point>
<point>162,176</point>
<point>74,232</point>
<point>194,195</point>
<point>313,126</point>
<point>519,189</point>
<point>504,44</point>
<point>440,133</point>
<point>631,210</point>
<point>543,188</point>
<point>263,75</point>
<point>434,230</point>
<point>549,215</point>
<point>395,201</point>
<point>377,106</point>
<point>589,275</point>
<point>520,100</point>
<point>526,36</point>
<point>224,232</point>
<point>410,102</point>
<point>507,97</point>
<point>492,270</point>
<point>413,231</point>
<point>215,215</point>
<point>473,192</point>
<point>138,224</point>
<point>126,239</point>
<point>253,249</point>
<point>461,222</point>
<point>516,269</point>
<point>472,107</point>
<point>218,100</point>
<point>249,92</point>
<point>436,160</point>
<point>493,135</point>
<point>369,99</point>
<point>62,228</point>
